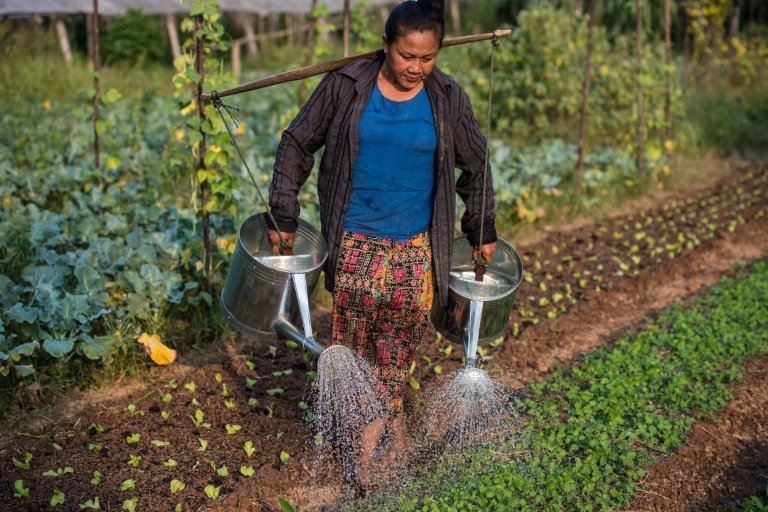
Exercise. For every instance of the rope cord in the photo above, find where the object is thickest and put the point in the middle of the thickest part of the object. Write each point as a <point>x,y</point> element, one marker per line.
<point>479,261</point>
<point>283,244</point>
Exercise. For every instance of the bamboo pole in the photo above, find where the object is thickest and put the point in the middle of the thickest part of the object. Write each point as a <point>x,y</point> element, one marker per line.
<point>324,67</point>
<point>204,186</point>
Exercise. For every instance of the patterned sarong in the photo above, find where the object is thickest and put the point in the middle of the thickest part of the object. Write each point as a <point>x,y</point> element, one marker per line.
<point>382,298</point>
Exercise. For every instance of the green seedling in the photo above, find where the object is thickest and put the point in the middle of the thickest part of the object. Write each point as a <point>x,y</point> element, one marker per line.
<point>249,382</point>
<point>178,508</point>
<point>312,374</point>
<point>128,485</point>
<point>134,460</point>
<point>96,427</point>
<point>23,465</point>
<point>275,391</point>
<point>133,438</point>
<point>198,419</point>
<point>498,341</point>
<point>130,504</point>
<point>172,384</point>
<point>252,402</point>
<point>285,457</point>
<point>92,504</point>
<point>160,444</point>
<point>57,447</point>
<point>318,439</point>
<point>272,352</point>
<point>291,344</point>
<point>229,404</point>
<point>58,498</point>
<point>232,429</point>
<point>250,364</point>
<point>280,373</point>
<point>270,411</point>
<point>170,463</point>
<point>212,492</point>
<point>447,350</point>
<point>96,480</point>
<point>224,391</point>
<point>247,471</point>
<point>94,447</point>
<point>195,402</point>
<point>218,377</point>
<point>167,397</point>
<point>222,471</point>
<point>133,410</point>
<point>285,506</point>
<point>21,491</point>
<point>203,444</point>
<point>248,448</point>
<point>190,386</point>
<point>165,415</point>
<point>177,486</point>
<point>58,472</point>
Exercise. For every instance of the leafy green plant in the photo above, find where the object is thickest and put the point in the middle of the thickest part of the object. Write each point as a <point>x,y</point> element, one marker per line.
<point>20,490</point>
<point>58,498</point>
<point>134,37</point>
<point>59,471</point>
<point>176,486</point>
<point>92,504</point>
<point>130,504</point>
<point>212,492</point>
<point>23,465</point>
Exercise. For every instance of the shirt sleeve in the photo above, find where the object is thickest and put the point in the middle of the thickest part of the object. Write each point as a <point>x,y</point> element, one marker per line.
<point>470,152</point>
<point>296,153</point>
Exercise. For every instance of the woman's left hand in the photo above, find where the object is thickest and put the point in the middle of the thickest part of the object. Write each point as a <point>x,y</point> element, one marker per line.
<point>486,251</point>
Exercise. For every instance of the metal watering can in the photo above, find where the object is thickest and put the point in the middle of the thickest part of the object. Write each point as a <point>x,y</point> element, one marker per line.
<point>265,295</point>
<point>478,311</point>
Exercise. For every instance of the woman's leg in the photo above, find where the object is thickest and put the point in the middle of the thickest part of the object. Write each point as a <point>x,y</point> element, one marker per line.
<point>382,299</point>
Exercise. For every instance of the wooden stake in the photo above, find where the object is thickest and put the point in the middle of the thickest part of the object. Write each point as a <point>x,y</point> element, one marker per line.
<point>61,35</point>
<point>173,34</point>
<point>640,140</point>
<point>585,86</point>
<point>96,68</point>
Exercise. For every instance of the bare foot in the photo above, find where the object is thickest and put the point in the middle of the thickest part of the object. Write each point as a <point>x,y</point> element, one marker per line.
<point>400,446</point>
<point>369,440</point>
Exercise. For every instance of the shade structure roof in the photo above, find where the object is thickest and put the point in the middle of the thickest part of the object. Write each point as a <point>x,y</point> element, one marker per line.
<point>118,7</point>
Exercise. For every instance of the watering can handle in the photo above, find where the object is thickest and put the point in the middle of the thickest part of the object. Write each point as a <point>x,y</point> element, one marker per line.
<point>480,265</point>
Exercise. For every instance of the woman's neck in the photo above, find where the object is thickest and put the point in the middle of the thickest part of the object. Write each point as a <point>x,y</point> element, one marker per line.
<point>391,92</point>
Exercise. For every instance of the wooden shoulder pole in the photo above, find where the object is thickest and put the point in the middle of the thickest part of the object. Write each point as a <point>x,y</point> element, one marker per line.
<point>324,67</point>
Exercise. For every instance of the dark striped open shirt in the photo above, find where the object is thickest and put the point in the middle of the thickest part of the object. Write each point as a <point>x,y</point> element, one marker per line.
<point>331,119</point>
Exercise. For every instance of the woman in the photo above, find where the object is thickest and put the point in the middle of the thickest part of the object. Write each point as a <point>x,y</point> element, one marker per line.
<point>393,129</point>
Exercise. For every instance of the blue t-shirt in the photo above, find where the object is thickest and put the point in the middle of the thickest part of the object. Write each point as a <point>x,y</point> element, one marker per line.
<point>393,177</point>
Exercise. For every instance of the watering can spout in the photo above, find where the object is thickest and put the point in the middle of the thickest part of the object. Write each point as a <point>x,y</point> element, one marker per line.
<point>285,328</point>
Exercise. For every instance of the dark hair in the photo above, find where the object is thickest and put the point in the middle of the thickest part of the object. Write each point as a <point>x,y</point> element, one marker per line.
<point>416,16</point>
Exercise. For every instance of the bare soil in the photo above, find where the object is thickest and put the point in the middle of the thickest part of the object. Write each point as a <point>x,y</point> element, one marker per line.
<point>588,285</point>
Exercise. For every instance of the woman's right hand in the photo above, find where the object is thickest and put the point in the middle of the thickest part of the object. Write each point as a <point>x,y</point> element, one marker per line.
<point>274,240</point>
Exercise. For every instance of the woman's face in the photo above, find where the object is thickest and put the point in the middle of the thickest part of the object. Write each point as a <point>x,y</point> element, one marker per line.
<point>410,59</point>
